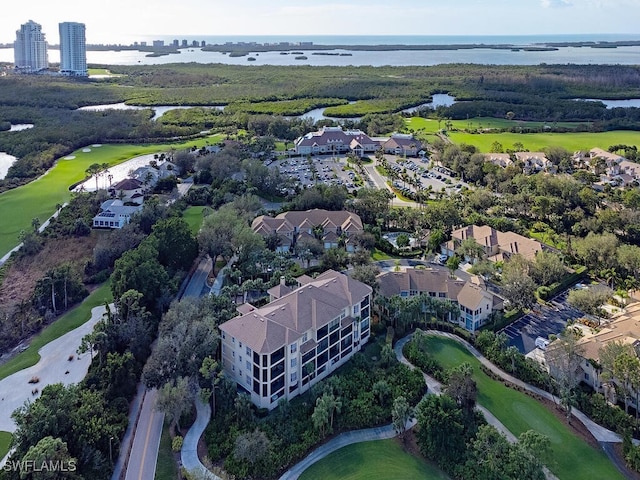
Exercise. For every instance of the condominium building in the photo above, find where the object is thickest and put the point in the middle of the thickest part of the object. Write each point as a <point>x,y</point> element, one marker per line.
<point>475,301</point>
<point>330,227</point>
<point>281,349</point>
<point>30,48</point>
<point>73,49</point>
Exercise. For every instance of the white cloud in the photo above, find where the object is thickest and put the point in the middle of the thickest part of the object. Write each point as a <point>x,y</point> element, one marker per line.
<point>556,3</point>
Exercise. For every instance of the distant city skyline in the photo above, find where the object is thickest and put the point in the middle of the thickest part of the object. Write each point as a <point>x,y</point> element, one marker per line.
<point>126,22</point>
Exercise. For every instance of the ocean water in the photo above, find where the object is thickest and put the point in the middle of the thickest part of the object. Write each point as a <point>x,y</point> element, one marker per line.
<point>393,39</point>
<point>486,56</point>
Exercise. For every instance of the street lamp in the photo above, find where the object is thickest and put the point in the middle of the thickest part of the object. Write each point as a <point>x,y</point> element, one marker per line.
<point>110,451</point>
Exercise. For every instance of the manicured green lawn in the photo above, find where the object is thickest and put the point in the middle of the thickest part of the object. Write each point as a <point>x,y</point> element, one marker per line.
<point>5,442</point>
<point>430,125</point>
<point>378,460</point>
<point>39,198</point>
<point>573,457</point>
<point>531,141</point>
<point>166,468</point>
<point>71,320</point>
<point>193,216</point>
<point>380,255</point>
<point>537,141</point>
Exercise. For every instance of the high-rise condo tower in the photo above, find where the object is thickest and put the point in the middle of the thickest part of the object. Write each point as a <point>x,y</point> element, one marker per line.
<point>73,49</point>
<point>30,48</point>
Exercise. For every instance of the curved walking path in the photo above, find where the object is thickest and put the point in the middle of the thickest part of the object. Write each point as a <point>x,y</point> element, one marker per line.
<point>600,433</point>
<point>605,437</point>
<point>189,453</point>
<point>191,462</point>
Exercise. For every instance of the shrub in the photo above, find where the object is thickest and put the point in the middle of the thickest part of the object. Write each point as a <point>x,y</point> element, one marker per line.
<point>176,443</point>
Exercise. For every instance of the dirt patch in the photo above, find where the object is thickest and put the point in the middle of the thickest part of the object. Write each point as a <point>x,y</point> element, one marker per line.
<point>410,445</point>
<point>23,274</point>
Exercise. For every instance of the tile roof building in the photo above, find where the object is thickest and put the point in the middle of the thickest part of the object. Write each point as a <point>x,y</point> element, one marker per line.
<point>475,301</point>
<point>623,328</point>
<point>330,226</point>
<point>283,348</point>
<point>497,245</point>
<point>335,140</point>
<point>402,144</point>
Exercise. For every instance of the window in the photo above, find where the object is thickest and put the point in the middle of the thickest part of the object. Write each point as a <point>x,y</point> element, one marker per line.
<point>240,344</point>
<point>335,323</point>
<point>294,362</point>
<point>305,337</point>
<point>233,339</point>
<point>224,335</point>
<point>233,354</point>
<point>294,377</point>
<point>248,351</point>
<point>293,348</point>
<point>247,365</point>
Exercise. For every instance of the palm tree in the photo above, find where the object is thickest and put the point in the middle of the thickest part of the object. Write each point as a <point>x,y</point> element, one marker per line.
<point>94,170</point>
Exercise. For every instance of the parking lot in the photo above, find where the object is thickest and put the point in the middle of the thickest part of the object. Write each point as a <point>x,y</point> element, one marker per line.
<point>323,169</point>
<point>541,322</point>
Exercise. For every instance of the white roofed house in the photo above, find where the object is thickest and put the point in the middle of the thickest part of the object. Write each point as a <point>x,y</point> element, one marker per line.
<point>114,214</point>
<point>283,348</point>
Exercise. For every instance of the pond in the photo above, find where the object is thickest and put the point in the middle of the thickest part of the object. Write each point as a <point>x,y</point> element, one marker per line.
<point>158,110</point>
<point>20,126</point>
<point>6,161</point>
<point>439,100</point>
<point>628,103</point>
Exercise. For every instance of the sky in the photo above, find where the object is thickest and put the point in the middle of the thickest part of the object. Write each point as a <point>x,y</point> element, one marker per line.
<point>126,21</point>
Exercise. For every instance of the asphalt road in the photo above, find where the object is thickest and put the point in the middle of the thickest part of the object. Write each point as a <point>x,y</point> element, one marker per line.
<point>144,452</point>
<point>198,280</point>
